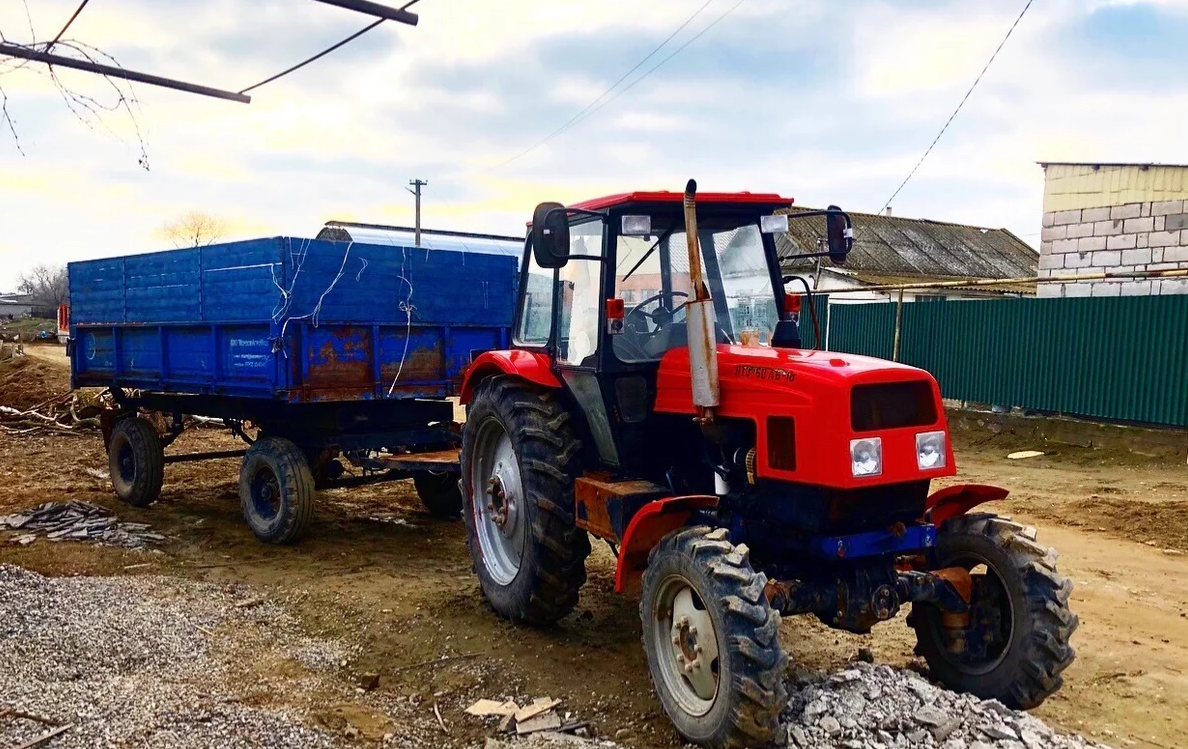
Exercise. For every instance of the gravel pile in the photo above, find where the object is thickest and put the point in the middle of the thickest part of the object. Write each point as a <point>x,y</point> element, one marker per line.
<point>132,661</point>
<point>878,707</point>
<point>78,521</point>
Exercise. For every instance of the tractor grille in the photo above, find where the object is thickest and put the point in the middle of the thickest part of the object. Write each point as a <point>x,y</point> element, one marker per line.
<point>892,405</point>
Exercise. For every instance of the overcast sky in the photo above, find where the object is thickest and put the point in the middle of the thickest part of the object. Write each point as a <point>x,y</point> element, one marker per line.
<point>828,101</point>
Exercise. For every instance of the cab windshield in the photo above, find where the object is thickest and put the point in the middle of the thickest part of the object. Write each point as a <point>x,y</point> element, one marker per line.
<point>652,279</point>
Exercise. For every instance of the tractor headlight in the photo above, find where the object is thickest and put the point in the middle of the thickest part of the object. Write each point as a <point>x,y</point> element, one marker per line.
<point>866,456</point>
<point>930,450</point>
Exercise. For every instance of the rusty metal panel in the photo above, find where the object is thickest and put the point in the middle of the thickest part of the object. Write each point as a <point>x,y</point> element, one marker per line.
<point>604,506</point>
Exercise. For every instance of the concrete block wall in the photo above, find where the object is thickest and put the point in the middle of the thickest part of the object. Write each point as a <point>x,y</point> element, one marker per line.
<point>1120,238</point>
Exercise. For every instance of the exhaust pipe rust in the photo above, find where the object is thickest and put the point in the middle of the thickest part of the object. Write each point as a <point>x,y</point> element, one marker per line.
<point>703,353</point>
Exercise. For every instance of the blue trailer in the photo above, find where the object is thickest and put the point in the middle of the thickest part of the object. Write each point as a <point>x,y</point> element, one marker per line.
<point>314,352</point>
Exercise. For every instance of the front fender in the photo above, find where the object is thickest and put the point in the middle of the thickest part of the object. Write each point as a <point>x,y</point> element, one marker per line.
<point>958,500</point>
<point>651,523</point>
<point>532,366</point>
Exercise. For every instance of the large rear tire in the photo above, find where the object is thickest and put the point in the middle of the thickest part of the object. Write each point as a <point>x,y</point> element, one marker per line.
<point>136,461</point>
<point>1016,643</point>
<point>519,461</point>
<point>712,640</point>
<point>276,491</point>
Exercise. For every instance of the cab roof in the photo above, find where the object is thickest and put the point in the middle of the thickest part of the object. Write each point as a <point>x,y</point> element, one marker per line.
<point>753,198</point>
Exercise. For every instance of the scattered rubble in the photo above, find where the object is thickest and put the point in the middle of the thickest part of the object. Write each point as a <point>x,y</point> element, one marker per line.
<point>79,521</point>
<point>878,707</point>
<point>129,662</point>
<point>537,717</point>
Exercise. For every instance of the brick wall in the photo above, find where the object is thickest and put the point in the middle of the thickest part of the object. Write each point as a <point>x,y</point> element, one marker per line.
<point>1131,237</point>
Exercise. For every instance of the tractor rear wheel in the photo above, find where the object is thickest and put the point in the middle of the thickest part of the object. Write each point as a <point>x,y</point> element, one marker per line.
<point>136,461</point>
<point>712,640</point>
<point>1014,643</point>
<point>519,461</point>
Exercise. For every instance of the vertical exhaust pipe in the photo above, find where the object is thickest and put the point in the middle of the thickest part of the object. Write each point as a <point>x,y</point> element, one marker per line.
<point>703,352</point>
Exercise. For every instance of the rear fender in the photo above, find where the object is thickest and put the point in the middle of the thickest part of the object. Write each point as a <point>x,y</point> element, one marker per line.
<point>653,522</point>
<point>953,501</point>
<point>532,366</point>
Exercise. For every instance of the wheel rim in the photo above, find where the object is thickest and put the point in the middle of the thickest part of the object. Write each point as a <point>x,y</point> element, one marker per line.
<point>266,493</point>
<point>686,646</point>
<point>991,625</point>
<point>498,492</point>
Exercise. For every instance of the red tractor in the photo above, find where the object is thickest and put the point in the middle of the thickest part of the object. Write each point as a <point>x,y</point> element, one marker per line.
<point>736,479</point>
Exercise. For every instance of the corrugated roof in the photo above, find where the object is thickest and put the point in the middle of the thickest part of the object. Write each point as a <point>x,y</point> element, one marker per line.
<point>1139,164</point>
<point>898,246</point>
<point>880,279</point>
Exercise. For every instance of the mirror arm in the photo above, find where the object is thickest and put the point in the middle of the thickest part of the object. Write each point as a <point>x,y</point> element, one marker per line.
<point>811,214</point>
<point>599,258</point>
<point>805,255</point>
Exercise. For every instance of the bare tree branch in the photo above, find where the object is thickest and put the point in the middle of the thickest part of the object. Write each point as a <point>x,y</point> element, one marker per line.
<point>194,229</point>
<point>48,287</point>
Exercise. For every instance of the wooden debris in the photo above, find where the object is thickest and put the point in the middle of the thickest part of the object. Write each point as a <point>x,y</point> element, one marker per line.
<point>539,706</point>
<point>249,603</point>
<point>548,721</point>
<point>440,722</point>
<point>575,726</point>
<point>1024,454</point>
<point>493,708</point>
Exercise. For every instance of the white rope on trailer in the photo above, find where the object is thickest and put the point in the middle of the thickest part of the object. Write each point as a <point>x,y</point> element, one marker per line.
<point>407,308</point>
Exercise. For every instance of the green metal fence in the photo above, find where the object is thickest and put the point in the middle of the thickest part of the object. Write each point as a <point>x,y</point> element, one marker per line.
<point>1114,358</point>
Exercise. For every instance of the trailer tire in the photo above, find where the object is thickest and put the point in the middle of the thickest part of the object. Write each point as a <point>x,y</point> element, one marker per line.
<point>276,490</point>
<point>136,461</point>
<point>739,704</point>
<point>1027,660</point>
<point>439,493</point>
<point>531,432</point>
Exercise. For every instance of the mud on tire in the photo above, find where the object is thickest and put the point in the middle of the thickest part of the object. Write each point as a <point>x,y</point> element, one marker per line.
<point>276,490</point>
<point>136,461</point>
<point>1037,649</point>
<point>751,663</point>
<point>552,568</point>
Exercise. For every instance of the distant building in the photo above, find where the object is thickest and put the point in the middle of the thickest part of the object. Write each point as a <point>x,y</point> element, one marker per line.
<point>895,250</point>
<point>14,306</point>
<point>1114,218</point>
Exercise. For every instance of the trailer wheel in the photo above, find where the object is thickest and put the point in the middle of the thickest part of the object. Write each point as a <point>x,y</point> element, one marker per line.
<point>519,460</point>
<point>276,490</point>
<point>439,493</point>
<point>711,639</point>
<point>136,461</point>
<point>1015,643</point>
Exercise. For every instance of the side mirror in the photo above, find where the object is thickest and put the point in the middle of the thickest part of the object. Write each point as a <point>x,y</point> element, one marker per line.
<point>550,235</point>
<point>839,234</point>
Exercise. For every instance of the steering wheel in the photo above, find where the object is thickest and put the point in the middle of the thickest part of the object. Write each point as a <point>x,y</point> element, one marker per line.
<point>659,317</point>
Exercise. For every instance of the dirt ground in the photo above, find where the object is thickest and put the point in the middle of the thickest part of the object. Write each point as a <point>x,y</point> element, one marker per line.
<point>380,572</point>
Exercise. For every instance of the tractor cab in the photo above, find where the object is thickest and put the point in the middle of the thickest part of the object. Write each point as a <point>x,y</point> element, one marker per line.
<point>607,290</point>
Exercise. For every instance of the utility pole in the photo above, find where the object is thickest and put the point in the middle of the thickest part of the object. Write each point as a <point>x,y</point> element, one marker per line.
<point>417,185</point>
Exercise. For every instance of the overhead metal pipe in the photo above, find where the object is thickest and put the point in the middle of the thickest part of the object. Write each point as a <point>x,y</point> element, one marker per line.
<point>16,50</point>
<point>367,7</point>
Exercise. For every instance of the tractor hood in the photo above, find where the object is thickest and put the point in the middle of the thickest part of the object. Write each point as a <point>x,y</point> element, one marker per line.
<point>826,400</point>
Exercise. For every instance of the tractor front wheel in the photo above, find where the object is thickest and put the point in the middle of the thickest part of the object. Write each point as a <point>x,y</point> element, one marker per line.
<point>519,461</point>
<point>712,640</point>
<point>1014,642</point>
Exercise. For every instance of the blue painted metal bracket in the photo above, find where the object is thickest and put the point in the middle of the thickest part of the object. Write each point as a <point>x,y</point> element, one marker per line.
<point>914,538</point>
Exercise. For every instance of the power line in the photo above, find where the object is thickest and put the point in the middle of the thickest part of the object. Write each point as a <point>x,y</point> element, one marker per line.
<point>935,140</point>
<point>612,87</point>
<point>326,51</point>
